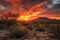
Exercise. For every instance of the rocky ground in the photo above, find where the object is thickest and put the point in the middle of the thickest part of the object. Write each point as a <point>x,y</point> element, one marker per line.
<point>4,35</point>
<point>32,34</point>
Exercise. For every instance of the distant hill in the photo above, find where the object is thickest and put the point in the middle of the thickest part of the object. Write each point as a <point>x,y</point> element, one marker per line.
<point>46,20</point>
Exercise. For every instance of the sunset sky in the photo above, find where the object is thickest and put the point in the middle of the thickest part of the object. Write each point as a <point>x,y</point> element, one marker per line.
<point>52,7</point>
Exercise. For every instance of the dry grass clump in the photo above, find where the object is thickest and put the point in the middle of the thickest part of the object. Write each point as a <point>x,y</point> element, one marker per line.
<point>18,31</point>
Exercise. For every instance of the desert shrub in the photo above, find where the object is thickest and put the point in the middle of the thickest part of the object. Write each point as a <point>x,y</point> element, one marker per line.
<point>40,29</point>
<point>7,23</point>
<point>55,30</point>
<point>2,27</point>
<point>18,31</point>
<point>18,34</point>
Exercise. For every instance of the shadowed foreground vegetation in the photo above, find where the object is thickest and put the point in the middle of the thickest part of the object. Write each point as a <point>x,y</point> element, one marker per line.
<point>35,30</point>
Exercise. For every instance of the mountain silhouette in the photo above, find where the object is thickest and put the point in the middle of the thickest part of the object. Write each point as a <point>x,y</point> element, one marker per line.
<point>46,20</point>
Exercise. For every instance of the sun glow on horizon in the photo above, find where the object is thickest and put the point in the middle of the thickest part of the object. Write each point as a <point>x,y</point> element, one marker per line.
<point>29,17</point>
